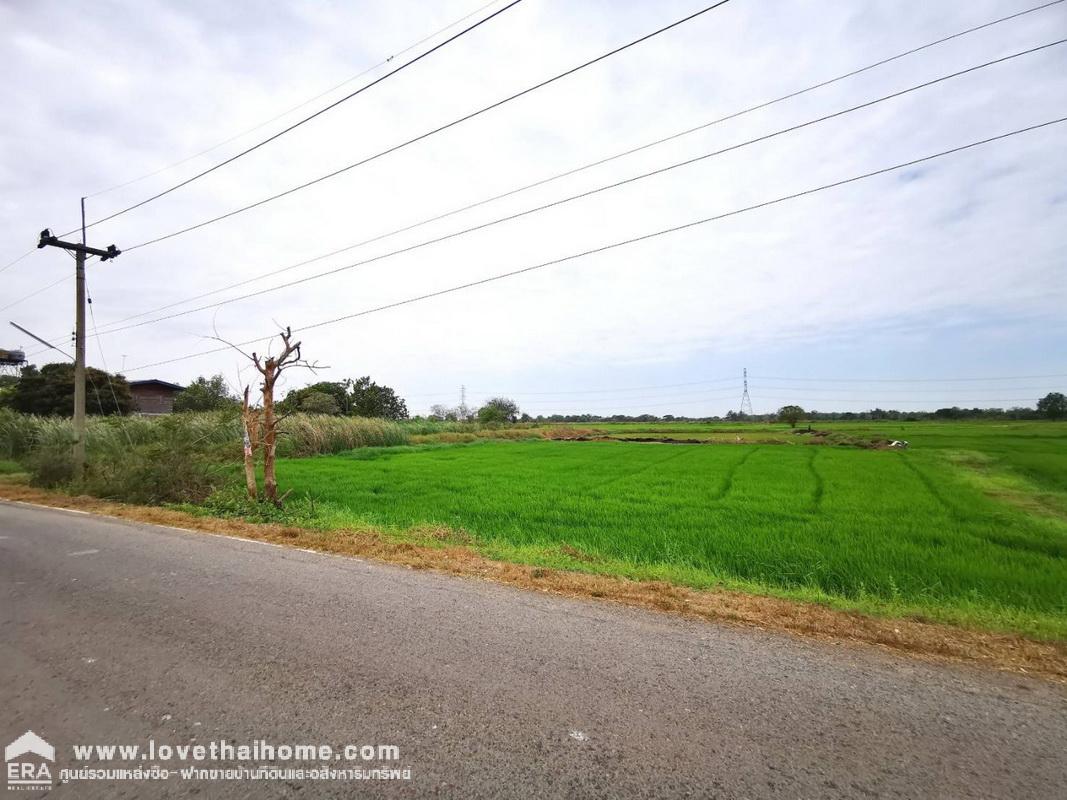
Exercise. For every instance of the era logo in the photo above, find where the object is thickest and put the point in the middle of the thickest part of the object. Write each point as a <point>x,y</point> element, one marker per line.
<point>23,773</point>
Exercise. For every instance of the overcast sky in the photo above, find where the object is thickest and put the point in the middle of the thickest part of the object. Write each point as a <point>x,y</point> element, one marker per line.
<point>952,269</point>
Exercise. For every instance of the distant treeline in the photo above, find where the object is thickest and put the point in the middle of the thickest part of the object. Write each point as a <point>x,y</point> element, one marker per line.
<point>874,414</point>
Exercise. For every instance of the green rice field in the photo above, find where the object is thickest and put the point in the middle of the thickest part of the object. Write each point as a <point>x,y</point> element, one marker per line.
<point>969,525</point>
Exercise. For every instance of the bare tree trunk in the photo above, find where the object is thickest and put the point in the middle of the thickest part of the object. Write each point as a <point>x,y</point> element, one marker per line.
<point>262,424</point>
<point>270,440</point>
<point>250,419</point>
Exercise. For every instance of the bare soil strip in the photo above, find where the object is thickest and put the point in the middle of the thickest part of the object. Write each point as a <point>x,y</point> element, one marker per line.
<point>920,639</point>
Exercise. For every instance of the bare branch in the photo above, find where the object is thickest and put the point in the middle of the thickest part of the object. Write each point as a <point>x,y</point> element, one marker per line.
<point>231,344</point>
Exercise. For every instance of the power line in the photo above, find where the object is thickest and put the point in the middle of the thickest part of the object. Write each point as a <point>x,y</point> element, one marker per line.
<point>694,401</point>
<point>603,401</point>
<point>704,396</point>
<point>580,195</point>
<point>914,380</point>
<point>909,402</point>
<point>556,401</point>
<point>36,292</point>
<point>633,240</point>
<point>728,392</point>
<point>721,394</point>
<point>607,391</point>
<point>912,391</point>
<point>427,134</point>
<point>586,166</point>
<point>10,264</point>
<point>306,119</point>
<point>107,374</point>
<point>297,107</point>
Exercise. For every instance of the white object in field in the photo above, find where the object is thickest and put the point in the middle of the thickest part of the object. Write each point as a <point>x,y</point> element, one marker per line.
<point>898,443</point>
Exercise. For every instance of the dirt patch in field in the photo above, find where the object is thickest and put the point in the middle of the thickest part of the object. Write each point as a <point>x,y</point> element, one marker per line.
<point>661,440</point>
<point>448,554</point>
<point>826,438</point>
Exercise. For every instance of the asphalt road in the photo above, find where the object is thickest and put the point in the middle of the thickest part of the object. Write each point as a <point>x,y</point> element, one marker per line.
<point>117,633</point>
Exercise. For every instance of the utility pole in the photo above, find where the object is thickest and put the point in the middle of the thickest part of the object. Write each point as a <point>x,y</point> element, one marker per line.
<point>79,355</point>
<point>80,252</point>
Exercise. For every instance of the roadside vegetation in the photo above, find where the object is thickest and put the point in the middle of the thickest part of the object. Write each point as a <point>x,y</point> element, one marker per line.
<point>186,456</point>
<point>178,457</point>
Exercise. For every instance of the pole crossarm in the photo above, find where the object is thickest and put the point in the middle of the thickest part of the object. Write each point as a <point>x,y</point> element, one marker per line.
<point>48,240</point>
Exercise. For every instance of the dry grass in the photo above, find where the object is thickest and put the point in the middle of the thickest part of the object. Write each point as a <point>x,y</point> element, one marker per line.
<point>444,550</point>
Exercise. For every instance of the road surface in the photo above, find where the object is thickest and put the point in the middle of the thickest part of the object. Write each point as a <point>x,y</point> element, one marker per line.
<point>117,633</point>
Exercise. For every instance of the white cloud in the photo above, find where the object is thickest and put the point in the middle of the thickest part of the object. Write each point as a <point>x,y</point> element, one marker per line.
<point>970,240</point>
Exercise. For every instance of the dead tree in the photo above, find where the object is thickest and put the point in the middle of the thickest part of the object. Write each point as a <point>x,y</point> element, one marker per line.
<point>271,368</point>
<point>252,422</point>
<point>261,424</point>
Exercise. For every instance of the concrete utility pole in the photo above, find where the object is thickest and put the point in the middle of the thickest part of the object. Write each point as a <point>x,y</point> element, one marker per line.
<point>80,252</point>
<point>79,355</point>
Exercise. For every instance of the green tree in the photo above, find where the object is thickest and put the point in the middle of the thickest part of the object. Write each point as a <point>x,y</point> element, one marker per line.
<point>368,399</point>
<point>499,409</point>
<point>49,391</point>
<point>1053,405</point>
<point>320,403</point>
<point>791,414</point>
<point>360,398</point>
<point>338,392</point>
<point>7,389</point>
<point>205,394</point>
<point>442,413</point>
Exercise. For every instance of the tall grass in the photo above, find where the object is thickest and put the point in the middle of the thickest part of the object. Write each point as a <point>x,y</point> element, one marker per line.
<point>300,434</point>
<point>177,457</point>
<point>308,435</point>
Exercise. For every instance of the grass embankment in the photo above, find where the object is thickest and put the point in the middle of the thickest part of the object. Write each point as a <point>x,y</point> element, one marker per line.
<point>883,532</point>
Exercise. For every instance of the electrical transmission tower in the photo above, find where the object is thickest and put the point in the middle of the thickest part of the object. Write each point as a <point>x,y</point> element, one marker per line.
<point>464,413</point>
<point>746,401</point>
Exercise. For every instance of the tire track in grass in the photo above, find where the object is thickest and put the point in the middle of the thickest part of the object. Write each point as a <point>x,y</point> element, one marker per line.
<point>931,487</point>
<point>817,492</point>
<point>684,449</point>
<point>728,479</point>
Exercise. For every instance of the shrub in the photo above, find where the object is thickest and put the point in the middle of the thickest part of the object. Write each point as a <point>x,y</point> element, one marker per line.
<point>499,409</point>
<point>173,458</point>
<point>160,472</point>
<point>232,502</point>
<point>141,460</point>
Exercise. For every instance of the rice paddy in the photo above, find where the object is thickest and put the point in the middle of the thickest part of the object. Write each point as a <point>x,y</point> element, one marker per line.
<point>967,526</point>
